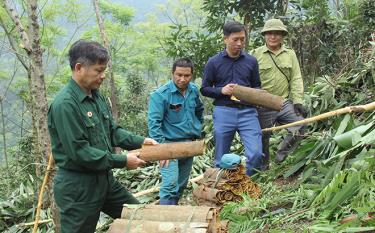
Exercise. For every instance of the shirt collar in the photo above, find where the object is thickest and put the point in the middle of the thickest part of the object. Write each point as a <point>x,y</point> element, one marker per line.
<point>224,53</point>
<point>81,95</point>
<point>266,49</point>
<point>174,88</point>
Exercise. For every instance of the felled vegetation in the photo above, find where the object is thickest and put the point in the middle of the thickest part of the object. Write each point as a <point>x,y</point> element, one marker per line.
<point>327,184</point>
<point>220,186</point>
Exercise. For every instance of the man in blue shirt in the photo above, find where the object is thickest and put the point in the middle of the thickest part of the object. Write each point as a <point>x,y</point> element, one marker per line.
<point>175,114</point>
<point>222,72</point>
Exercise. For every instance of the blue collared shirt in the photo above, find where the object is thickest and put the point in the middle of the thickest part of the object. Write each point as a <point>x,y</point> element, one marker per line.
<point>173,116</point>
<point>221,70</point>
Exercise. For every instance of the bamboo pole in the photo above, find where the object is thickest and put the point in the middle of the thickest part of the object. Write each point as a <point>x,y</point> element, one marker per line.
<point>147,191</point>
<point>350,109</point>
<point>156,189</point>
<point>28,224</point>
<point>40,198</point>
<point>258,97</point>
<point>172,150</point>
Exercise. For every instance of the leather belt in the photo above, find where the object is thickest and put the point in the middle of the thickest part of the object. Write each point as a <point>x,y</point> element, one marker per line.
<point>236,105</point>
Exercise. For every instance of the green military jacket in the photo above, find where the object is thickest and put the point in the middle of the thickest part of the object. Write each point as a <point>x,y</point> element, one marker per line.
<point>273,80</point>
<point>83,132</point>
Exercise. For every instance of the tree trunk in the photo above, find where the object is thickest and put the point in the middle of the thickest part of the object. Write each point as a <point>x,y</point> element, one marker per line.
<point>39,106</point>
<point>35,147</point>
<point>247,23</point>
<point>113,91</point>
<point>37,77</point>
<point>4,135</point>
<point>22,115</point>
<point>282,7</point>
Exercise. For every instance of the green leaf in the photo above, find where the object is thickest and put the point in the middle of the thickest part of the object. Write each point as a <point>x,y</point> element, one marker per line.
<point>369,138</point>
<point>343,125</point>
<point>294,168</point>
<point>348,190</point>
<point>356,138</point>
<point>345,140</point>
<point>307,174</point>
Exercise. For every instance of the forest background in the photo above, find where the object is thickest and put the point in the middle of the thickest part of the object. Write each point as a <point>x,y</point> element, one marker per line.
<point>334,42</point>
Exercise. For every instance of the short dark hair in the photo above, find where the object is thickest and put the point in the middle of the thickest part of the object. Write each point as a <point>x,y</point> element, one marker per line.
<point>183,62</point>
<point>87,53</point>
<point>232,27</point>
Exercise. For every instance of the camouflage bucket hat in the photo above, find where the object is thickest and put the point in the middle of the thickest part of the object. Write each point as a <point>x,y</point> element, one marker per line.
<point>274,25</point>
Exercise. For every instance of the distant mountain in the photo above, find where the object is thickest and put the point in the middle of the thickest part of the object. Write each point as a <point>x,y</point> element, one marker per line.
<point>142,7</point>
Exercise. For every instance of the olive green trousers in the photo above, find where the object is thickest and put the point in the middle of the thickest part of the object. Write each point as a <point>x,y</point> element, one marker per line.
<point>81,197</point>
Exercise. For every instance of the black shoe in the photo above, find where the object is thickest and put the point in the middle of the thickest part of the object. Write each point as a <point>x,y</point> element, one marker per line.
<point>280,157</point>
<point>287,146</point>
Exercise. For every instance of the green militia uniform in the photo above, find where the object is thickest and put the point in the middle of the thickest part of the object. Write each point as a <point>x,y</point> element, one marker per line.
<point>285,81</point>
<point>83,134</point>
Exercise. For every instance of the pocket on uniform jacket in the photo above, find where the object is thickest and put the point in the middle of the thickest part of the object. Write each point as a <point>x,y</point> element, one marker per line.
<point>92,124</point>
<point>264,69</point>
<point>265,66</point>
<point>175,113</point>
<point>106,117</point>
<point>286,67</point>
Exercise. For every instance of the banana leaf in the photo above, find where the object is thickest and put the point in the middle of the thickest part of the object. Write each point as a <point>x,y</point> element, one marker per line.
<point>304,159</point>
<point>343,124</point>
<point>349,189</point>
<point>352,137</point>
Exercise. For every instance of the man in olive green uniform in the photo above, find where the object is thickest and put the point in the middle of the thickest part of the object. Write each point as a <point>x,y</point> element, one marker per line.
<point>83,134</point>
<point>280,74</point>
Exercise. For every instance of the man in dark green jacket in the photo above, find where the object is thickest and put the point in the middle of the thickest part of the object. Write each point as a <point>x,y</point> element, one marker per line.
<point>83,135</point>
